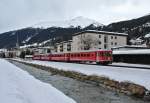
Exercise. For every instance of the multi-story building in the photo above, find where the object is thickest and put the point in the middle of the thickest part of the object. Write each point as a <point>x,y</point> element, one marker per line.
<point>65,46</point>
<point>92,40</point>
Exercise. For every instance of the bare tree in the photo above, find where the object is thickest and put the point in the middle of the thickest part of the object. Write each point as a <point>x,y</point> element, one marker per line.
<point>88,42</point>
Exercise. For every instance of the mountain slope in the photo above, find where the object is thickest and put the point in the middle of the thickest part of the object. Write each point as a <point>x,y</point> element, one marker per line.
<point>56,31</point>
<point>135,27</point>
<point>63,30</point>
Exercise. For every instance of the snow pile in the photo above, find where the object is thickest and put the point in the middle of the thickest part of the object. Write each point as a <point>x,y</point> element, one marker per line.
<point>17,86</point>
<point>141,76</point>
<point>78,21</point>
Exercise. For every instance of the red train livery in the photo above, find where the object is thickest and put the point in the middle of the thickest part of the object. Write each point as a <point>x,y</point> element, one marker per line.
<point>99,56</point>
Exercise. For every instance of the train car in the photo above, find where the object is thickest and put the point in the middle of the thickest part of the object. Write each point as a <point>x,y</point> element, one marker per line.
<point>83,56</point>
<point>104,57</point>
<point>45,57</point>
<point>36,57</point>
<point>99,56</point>
<point>60,57</point>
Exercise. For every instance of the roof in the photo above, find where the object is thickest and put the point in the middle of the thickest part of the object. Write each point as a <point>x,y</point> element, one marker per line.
<point>102,32</point>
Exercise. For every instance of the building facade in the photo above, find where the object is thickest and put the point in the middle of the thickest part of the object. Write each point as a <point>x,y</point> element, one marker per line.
<point>65,46</point>
<point>93,40</point>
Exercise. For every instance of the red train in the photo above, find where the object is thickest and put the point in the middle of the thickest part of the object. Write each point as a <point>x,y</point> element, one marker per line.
<point>99,56</point>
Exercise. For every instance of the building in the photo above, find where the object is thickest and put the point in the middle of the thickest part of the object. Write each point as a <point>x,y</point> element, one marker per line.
<point>93,40</point>
<point>65,46</point>
<point>59,47</point>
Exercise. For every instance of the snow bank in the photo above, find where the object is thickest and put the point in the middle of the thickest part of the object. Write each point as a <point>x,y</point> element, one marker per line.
<point>138,76</point>
<point>17,86</point>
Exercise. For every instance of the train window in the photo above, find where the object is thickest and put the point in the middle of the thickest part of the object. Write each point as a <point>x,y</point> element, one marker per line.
<point>88,55</point>
<point>102,54</point>
<point>82,55</point>
<point>99,54</point>
<point>75,55</point>
<point>78,55</point>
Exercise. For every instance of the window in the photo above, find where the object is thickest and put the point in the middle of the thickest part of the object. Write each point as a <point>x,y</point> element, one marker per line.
<point>115,43</point>
<point>111,37</point>
<point>99,36</point>
<point>78,55</point>
<point>99,42</point>
<point>115,37</point>
<point>105,39</point>
<point>105,46</point>
<point>112,43</point>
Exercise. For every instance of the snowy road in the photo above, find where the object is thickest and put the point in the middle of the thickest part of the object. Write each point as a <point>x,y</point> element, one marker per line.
<point>17,86</point>
<point>138,76</point>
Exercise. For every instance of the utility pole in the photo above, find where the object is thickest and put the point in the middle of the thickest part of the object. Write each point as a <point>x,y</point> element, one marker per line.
<point>17,43</point>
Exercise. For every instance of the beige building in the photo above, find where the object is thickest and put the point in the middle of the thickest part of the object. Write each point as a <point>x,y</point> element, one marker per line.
<point>65,46</point>
<point>93,40</point>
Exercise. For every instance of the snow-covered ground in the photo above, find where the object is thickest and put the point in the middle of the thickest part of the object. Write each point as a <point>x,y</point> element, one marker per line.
<point>138,76</point>
<point>17,86</point>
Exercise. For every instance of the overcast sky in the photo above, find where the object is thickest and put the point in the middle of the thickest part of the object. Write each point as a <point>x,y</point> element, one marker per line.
<point>22,13</point>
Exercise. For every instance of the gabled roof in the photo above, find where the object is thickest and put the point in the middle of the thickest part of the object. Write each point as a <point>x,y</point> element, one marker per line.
<point>101,32</point>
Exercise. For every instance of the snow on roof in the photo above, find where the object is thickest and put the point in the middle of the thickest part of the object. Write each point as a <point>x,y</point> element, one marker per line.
<point>103,32</point>
<point>147,35</point>
<point>139,51</point>
<point>21,87</point>
<point>131,46</point>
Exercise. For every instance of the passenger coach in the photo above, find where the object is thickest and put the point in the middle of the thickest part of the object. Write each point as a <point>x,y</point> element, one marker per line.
<point>99,56</point>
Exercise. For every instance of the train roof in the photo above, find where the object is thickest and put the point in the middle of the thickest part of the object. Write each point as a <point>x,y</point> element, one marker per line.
<point>83,51</point>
